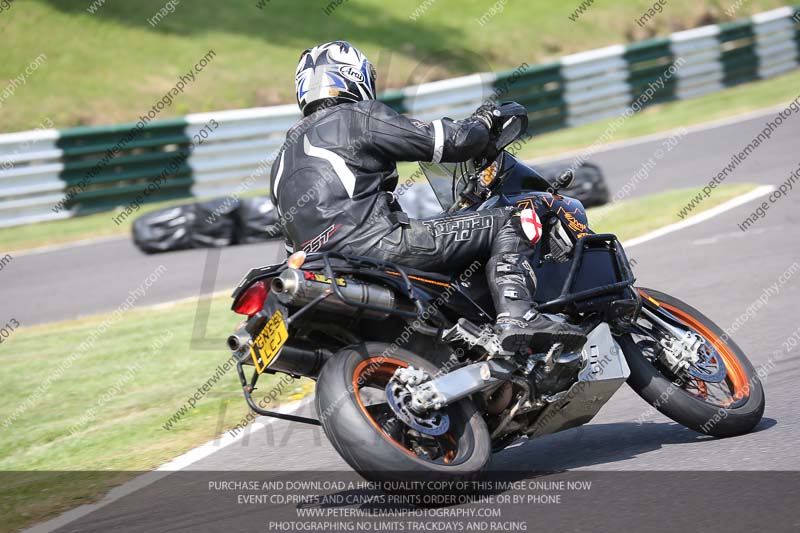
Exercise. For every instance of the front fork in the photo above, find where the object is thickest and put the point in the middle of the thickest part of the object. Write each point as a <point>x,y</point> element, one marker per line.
<point>684,352</point>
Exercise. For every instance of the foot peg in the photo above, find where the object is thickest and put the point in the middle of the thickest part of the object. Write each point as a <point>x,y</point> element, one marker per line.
<point>474,335</point>
<point>538,335</point>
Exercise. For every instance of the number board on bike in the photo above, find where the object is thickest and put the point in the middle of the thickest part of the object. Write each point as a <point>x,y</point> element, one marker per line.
<point>269,342</point>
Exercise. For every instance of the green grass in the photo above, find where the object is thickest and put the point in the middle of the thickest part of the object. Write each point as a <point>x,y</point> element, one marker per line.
<point>32,497</point>
<point>126,433</point>
<point>632,218</point>
<point>110,66</point>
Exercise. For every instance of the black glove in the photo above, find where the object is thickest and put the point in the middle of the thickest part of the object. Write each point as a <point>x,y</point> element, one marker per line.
<point>488,114</point>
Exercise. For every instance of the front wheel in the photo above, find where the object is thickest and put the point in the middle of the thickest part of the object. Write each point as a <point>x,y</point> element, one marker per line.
<point>719,407</point>
<point>352,405</point>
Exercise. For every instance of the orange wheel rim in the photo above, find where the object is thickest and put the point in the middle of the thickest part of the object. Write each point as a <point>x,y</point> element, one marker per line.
<point>385,367</point>
<point>451,454</point>
<point>736,373</point>
<point>701,386</point>
<point>381,367</point>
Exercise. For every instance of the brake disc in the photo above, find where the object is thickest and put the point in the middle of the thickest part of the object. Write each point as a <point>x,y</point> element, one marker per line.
<point>433,423</point>
<point>710,367</point>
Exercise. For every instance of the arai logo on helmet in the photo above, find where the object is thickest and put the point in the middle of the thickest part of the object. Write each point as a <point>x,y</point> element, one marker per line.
<point>351,73</point>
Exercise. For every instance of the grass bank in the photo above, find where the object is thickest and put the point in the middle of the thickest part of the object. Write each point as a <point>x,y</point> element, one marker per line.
<point>106,62</point>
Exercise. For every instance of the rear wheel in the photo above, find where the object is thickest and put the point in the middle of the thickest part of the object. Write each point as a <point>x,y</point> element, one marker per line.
<point>352,405</point>
<point>719,407</point>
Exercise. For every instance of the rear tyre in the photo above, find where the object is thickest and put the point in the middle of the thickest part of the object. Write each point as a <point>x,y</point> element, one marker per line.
<point>690,404</point>
<point>351,404</point>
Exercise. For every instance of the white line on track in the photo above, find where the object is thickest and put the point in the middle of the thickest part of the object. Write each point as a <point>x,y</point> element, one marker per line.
<point>170,303</point>
<point>179,463</point>
<point>73,244</point>
<point>701,217</point>
<point>201,452</point>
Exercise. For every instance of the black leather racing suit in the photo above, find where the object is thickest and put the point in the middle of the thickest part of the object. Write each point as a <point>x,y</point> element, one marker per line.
<point>332,183</point>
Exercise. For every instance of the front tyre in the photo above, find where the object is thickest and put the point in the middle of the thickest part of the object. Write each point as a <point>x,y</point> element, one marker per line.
<point>726,409</point>
<point>351,404</point>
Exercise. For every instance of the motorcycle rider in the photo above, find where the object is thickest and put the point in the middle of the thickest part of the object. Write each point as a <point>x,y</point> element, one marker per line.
<point>333,179</point>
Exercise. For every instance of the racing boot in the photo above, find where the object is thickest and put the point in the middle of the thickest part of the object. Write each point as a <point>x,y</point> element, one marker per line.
<point>519,327</point>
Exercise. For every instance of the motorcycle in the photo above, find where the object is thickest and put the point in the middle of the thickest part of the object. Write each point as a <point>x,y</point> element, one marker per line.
<point>411,380</point>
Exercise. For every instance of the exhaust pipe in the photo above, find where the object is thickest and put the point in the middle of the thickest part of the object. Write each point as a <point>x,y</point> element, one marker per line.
<point>295,358</point>
<point>297,288</point>
<point>299,360</point>
<point>239,339</point>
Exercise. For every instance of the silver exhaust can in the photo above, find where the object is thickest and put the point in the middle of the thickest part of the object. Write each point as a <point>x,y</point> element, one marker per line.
<point>296,288</point>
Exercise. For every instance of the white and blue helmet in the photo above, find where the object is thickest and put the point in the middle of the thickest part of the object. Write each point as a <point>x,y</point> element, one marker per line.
<point>333,70</point>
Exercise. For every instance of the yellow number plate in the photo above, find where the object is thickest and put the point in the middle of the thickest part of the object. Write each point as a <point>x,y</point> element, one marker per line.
<point>269,342</point>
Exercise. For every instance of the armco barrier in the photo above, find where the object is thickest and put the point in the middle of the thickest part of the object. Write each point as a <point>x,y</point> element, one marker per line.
<point>51,174</point>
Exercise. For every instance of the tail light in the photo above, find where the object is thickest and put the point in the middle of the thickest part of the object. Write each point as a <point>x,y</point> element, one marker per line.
<point>252,300</point>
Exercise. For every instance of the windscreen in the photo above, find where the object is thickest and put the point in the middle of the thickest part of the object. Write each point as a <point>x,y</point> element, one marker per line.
<point>442,176</point>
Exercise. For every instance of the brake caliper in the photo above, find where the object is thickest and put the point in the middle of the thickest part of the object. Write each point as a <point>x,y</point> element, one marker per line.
<point>416,406</point>
<point>692,355</point>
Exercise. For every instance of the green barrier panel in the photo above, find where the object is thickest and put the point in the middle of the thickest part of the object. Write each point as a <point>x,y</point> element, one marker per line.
<point>643,51</point>
<point>126,194</point>
<point>112,166</point>
<point>127,173</point>
<point>648,65</point>
<point>540,88</point>
<point>85,140</point>
<point>796,18</point>
<point>739,59</point>
<point>542,101</point>
<point>395,100</point>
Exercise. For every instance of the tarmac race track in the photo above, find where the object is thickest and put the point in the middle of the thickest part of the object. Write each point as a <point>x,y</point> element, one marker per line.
<point>713,266</point>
